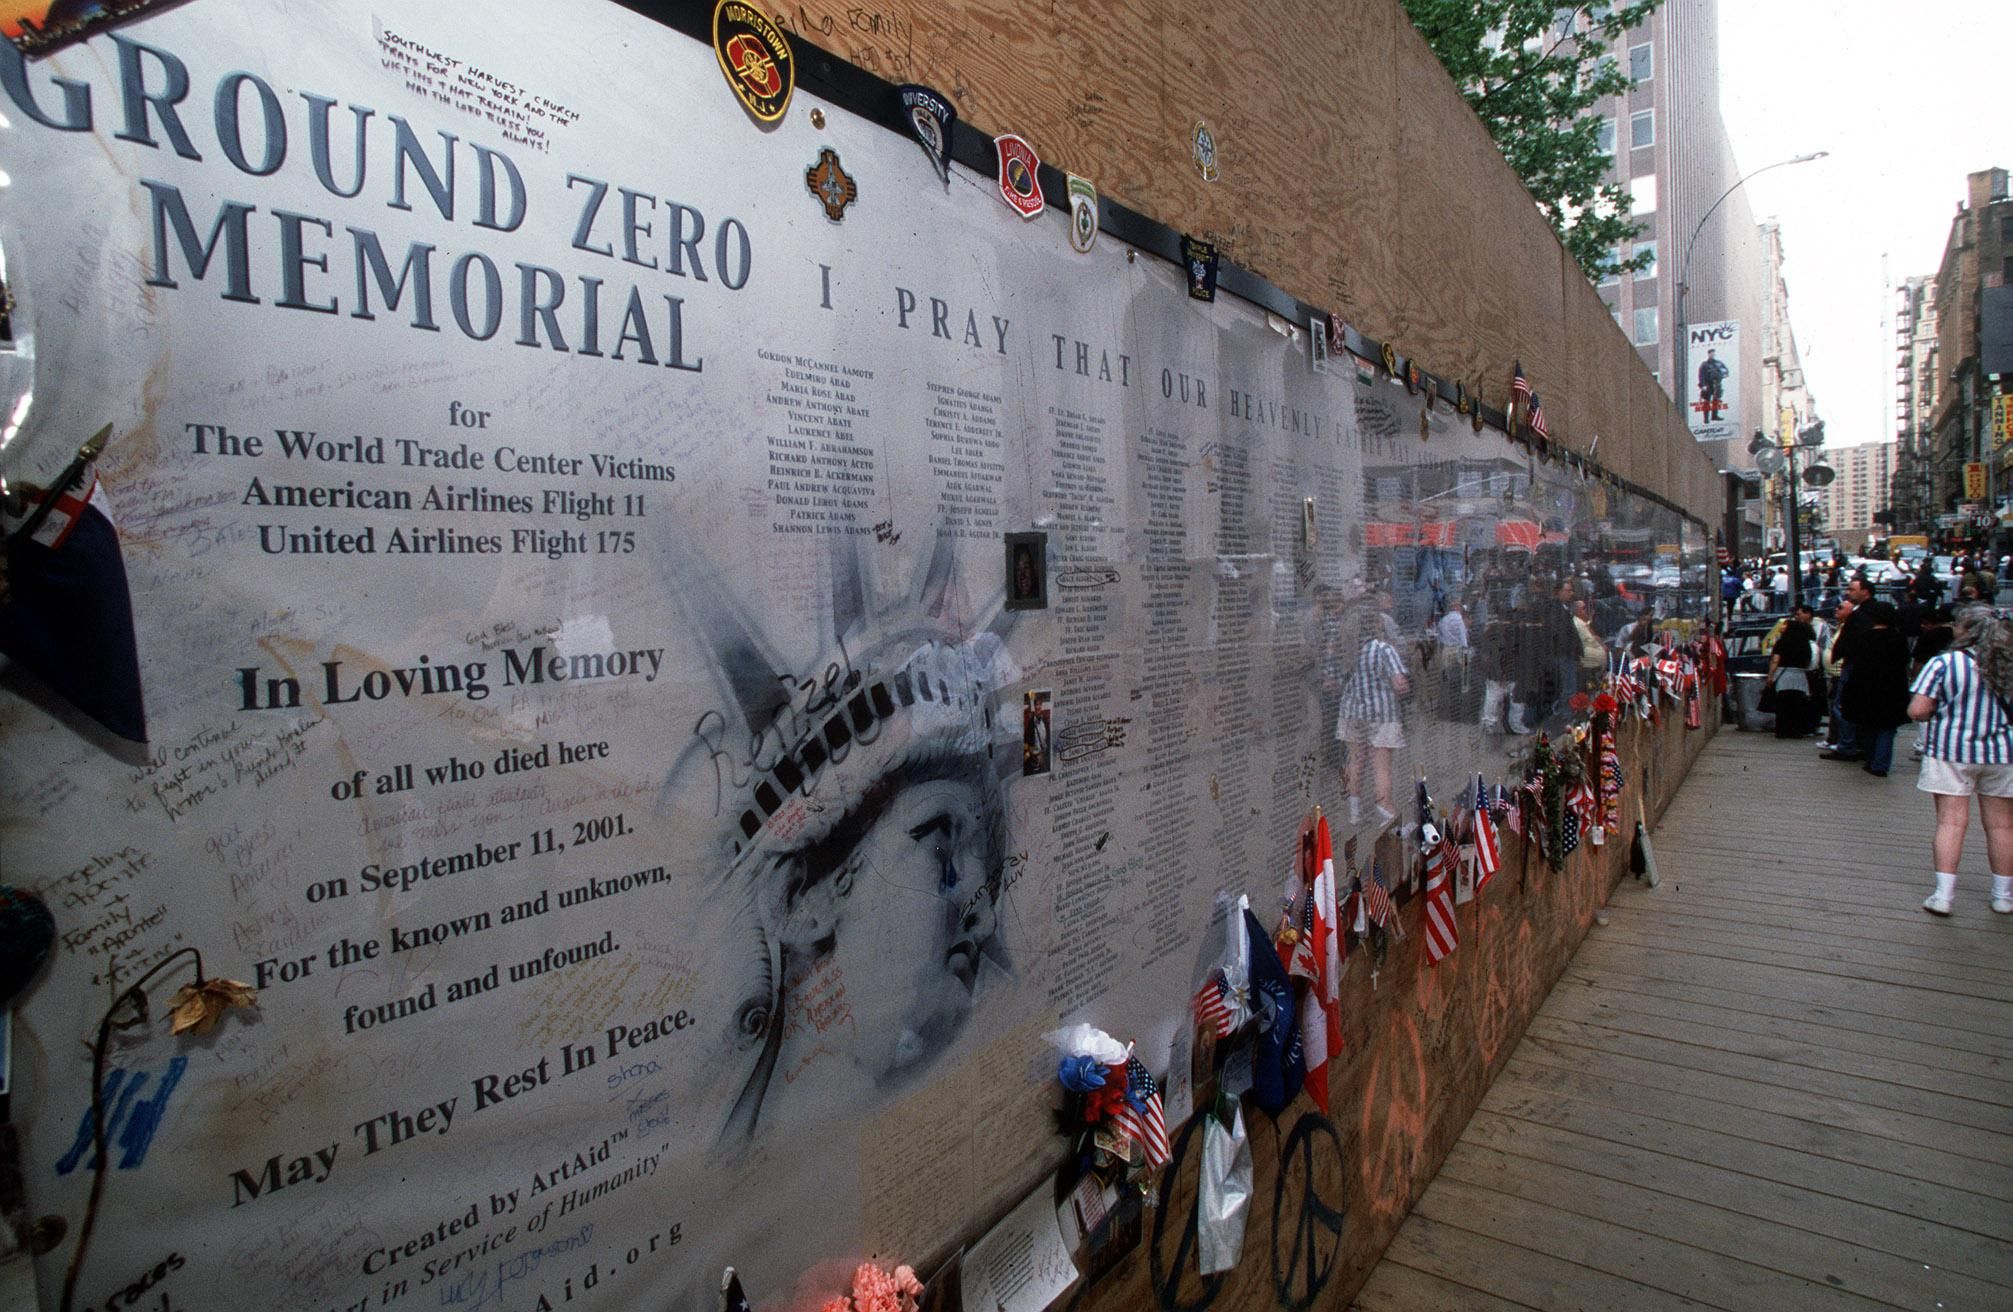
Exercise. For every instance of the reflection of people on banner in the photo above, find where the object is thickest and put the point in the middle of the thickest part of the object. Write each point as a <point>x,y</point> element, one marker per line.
<point>1034,751</point>
<point>1371,720</point>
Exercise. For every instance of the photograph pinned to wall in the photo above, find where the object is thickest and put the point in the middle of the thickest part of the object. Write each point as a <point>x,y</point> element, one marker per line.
<point>1027,571</point>
<point>1307,532</point>
<point>1317,343</point>
<point>1035,732</point>
<point>37,26</point>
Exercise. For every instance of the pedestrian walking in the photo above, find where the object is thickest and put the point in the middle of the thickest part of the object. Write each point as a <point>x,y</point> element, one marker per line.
<point>1875,701</point>
<point>1964,698</point>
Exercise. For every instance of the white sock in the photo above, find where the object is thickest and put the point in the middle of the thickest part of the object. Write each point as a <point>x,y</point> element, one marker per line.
<point>1946,885</point>
<point>2002,886</point>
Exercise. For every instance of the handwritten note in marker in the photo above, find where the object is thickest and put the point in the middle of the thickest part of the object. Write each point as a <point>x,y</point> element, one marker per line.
<point>1022,1265</point>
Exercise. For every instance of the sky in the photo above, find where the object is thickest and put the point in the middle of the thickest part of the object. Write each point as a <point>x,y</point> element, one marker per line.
<point>1902,95</point>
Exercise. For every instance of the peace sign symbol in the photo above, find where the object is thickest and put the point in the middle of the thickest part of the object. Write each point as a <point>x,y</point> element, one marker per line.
<point>1317,1224</point>
<point>1168,1276</point>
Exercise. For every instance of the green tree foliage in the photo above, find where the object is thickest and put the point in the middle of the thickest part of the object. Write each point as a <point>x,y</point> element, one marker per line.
<point>1534,70</point>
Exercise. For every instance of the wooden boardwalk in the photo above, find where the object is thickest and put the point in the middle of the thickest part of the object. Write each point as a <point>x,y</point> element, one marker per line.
<point>1773,1082</point>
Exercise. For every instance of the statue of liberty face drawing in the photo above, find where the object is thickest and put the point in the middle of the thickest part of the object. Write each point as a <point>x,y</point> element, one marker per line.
<point>862,849</point>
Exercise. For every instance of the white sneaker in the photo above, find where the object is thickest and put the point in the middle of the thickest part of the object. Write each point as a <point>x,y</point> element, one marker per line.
<point>1355,812</point>
<point>2003,905</point>
<point>1384,817</point>
<point>1938,904</point>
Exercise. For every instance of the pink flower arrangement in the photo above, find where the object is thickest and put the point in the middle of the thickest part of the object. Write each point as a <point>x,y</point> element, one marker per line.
<point>877,1290</point>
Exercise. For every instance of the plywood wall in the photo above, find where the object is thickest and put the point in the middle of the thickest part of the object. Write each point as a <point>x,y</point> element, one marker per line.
<point>1353,175</point>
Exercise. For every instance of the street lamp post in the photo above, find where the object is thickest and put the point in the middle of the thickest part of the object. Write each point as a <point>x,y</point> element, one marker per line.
<point>1781,458</point>
<point>1683,354</point>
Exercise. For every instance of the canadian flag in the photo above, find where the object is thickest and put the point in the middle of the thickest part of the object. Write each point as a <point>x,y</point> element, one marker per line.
<point>1321,1008</point>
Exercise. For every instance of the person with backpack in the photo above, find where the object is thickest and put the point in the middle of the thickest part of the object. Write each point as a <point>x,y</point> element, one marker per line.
<point>1964,700</point>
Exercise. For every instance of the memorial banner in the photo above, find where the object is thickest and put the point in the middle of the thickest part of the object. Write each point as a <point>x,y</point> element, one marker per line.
<point>665,689</point>
<point>1712,393</point>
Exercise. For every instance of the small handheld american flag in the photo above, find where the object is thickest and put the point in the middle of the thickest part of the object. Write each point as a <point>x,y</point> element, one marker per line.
<point>1140,1115</point>
<point>1212,1005</point>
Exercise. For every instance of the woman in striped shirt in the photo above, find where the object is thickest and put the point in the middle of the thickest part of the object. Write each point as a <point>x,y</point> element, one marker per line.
<point>1371,720</point>
<point>1964,696</point>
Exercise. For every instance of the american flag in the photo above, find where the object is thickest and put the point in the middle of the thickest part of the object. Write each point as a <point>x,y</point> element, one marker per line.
<point>1377,897</point>
<point>1488,852</point>
<point>1537,420</point>
<point>1443,932</point>
<point>1212,1005</point>
<point>1520,390</point>
<point>1145,1124</point>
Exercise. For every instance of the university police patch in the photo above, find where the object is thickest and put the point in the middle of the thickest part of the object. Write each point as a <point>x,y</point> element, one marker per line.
<point>932,118</point>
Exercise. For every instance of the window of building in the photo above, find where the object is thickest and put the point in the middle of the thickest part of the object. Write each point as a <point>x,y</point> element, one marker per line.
<point>1649,270</point>
<point>1643,128</point>
<point>1646,325</point>
<point>1611,277</point>
<point>1606,137</point>
<point>1643,194</point>
<point>1642,63</point>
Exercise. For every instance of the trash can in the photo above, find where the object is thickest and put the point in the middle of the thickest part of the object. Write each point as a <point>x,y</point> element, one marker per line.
<point>1748,715</point>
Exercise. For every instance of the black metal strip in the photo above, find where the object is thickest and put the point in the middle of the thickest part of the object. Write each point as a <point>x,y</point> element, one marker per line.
<point>834,79</point>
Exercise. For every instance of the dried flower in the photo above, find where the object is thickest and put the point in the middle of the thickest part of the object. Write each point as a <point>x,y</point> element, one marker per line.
<point>201,1005</point>
<point>1579,702</point>
<point>1605,704</point>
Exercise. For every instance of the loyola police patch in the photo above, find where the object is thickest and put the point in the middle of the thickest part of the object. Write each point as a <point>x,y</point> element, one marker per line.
<point>1020,175</point>
<point>755,57</point>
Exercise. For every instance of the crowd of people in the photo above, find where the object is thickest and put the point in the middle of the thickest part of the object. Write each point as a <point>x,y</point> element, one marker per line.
<point>1506,653</point>
<point>1874,666</point>
<point>1759,588</point>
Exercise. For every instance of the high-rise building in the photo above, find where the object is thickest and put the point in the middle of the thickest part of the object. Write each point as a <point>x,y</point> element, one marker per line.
<point>1977,258</point>
<point>1915,377</point>
<point>1859,491</point>
<point>1672,154</point>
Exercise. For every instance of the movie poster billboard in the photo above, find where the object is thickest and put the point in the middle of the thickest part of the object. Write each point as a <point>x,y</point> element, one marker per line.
<point>668,690</point>
<point>1712,389</point>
